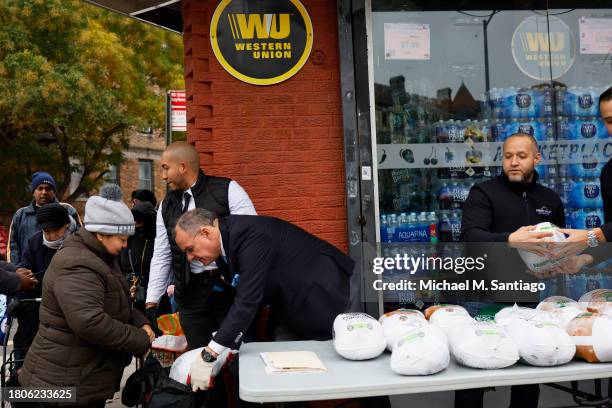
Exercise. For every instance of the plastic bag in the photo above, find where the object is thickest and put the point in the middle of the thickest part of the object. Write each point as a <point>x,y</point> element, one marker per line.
<point>180,369</point>
<point>541,343</point>
<point>482,345</point>
<point>3,318</point>
<point>591,332</point>
<point>170,324</point>
<point>448,316</point>
<point>597,301</point>
<point>562,308</point>
<point>170,343</point>
<point>358,336</point>
<point>509,314</point>
<point>399,322</point>
<point>537,263</point>
<point>420,351</point>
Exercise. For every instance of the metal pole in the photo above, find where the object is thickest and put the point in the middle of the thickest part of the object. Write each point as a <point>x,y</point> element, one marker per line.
<point>168,120</point>
<point>485,23</point>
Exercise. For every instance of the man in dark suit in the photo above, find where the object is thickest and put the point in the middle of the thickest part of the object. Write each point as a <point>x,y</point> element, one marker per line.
<point>266,261</point>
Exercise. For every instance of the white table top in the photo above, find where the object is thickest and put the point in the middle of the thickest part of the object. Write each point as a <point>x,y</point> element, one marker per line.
<point>353,379</point>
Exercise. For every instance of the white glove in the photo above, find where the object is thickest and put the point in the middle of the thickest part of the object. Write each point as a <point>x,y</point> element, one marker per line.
<point>202,374</point>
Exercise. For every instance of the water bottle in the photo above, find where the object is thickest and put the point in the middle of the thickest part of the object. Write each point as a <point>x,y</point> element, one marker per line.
<point>444,197</point>
<point>423,228</point>
<point>392,229</point>
<point>455,224</point>
<point>402,222</point>
<point>444,229</point>
<point>413,224</point>
<point>433,227</point>
<point>383,228</point>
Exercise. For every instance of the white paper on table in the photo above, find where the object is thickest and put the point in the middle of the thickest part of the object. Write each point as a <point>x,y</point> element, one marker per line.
<point>407,41</point>
<point>595,35</point>
<point>292,362</point>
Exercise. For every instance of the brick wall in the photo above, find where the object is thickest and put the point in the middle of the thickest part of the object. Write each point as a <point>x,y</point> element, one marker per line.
<point>143,147</point>
<point>282,143</point>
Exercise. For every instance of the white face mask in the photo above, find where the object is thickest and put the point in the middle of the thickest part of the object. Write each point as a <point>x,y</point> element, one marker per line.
<point>57,244</point>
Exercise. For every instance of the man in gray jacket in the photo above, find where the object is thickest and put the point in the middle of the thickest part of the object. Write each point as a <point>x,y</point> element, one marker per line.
<point>24,224</point>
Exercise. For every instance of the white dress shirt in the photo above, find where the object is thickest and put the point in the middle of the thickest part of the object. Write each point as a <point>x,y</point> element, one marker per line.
<point>160,275</point>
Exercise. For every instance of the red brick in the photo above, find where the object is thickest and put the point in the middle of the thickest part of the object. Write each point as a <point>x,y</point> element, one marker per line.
<point>282,143</point>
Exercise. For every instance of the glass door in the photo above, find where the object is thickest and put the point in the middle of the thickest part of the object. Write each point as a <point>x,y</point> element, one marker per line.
<point>449,86</point>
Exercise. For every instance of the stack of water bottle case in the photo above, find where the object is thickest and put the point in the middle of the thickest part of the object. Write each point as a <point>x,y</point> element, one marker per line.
<point>556,331</point>
<point>560,114</point>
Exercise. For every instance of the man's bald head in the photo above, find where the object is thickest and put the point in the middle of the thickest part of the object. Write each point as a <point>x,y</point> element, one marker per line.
<point>180,165</point>
<point>534,143</point>
<point>183,152</point>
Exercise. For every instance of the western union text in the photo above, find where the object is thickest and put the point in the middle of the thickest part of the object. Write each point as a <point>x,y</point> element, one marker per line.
<point>266,50</point>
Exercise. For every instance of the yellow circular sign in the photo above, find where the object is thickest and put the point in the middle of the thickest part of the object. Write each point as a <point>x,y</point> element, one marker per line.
<point>261,42</point>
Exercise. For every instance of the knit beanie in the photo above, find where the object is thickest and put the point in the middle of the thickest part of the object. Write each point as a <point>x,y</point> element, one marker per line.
<point>107,216</point>
<point>144,195</point>
<point>40,177</point>
<point>52,216</point>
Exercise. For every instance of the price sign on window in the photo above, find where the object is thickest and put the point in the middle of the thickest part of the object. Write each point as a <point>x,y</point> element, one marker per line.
<point>595,35</point>
<point>405,41</point>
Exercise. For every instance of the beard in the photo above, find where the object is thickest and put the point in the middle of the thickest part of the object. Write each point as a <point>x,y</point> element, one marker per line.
<point>521,177</point>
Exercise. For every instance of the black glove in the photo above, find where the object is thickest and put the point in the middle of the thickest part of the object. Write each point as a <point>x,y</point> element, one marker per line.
<point>150,315</point>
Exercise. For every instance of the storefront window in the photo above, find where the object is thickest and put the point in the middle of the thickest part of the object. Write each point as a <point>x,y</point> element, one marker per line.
<point>451,86</point>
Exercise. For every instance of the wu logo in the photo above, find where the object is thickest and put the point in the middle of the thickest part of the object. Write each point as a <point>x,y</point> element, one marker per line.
<point>259,26</point>
<point>535,42</point>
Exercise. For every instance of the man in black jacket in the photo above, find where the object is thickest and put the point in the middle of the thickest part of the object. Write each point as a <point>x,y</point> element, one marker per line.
<point>506,210</point>
<point>582,239</point>
<point>267,261</point>
<point>54,221</point>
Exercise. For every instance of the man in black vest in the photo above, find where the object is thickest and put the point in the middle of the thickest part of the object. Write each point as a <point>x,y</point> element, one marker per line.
<point>202,297</point>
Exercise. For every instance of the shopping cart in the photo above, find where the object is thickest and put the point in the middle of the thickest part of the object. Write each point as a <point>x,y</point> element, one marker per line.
<point>10,363</point>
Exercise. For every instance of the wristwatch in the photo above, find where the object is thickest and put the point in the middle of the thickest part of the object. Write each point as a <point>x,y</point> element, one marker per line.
<point>592,240</point>
<point>208,357</point>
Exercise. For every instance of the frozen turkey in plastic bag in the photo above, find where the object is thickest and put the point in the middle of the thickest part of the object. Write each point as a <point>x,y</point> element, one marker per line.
<point>597,301</point>
<point>537,263</point>
<point>482,345</point>
<point>592,334</point>
<point>509,314</point>
<point>541,343</point>
<point>398,322</point>
<point>180,368</point>
<point>421,351</point>
<point>448,316</point>
<point>358,336</point>
<point>563,309</point>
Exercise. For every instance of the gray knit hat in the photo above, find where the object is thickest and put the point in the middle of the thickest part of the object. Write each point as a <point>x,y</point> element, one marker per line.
<point>108,217</point>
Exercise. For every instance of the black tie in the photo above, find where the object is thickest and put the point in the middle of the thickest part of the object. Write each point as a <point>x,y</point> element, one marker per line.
<point>186,198</point>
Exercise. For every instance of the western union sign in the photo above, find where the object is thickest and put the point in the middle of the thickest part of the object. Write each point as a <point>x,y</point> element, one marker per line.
<point>543,48</point>
<point>262,42</point>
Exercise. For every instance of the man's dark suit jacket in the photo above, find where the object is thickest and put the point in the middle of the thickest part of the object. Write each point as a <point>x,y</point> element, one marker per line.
<point>271,261</point>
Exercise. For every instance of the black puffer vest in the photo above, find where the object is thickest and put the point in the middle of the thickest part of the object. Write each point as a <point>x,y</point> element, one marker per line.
<point>209,193</point>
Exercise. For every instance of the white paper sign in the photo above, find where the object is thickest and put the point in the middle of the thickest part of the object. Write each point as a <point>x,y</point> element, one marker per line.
<point>405,41</point>
<point>595,35</point>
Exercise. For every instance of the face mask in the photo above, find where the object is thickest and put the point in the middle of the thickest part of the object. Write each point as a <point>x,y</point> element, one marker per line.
<point>55,244</point>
